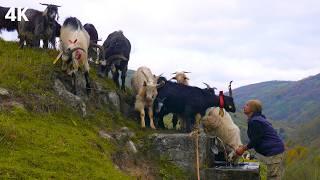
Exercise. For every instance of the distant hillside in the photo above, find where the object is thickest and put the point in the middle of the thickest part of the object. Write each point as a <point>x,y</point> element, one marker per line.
<point>308,133</point>
<point>129,76</point>
<point>285,100</point>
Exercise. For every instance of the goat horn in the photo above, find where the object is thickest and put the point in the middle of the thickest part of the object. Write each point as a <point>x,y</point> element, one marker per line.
<point>230,90</point>
<point>207,85</point>
<point>174,73</point>
<point>102,51</point>
<point>162,83</point>
<point>74,49</point>
<point>58,57</point>
<point>186,72</point>
<point>97,46</point>
<point>45,4</point>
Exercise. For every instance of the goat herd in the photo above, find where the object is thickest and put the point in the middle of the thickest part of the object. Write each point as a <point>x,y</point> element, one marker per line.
<point>78,44</point>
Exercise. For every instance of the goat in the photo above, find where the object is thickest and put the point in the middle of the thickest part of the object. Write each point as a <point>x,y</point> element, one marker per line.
<point>224,128</point>
<point>74,44</point>
<point>187,101</point>
<point>56,33</point>
<point>93,33</point>
<point>115,57</point>
<point>181,77</point>
<point>144,86</point>
<point>7,24</point>
<point>41,25</point>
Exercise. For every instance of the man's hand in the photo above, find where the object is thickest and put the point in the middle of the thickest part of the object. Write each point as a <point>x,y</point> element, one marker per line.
<point>240,150</point>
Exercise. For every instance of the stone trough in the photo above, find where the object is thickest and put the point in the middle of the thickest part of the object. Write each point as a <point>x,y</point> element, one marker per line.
<point>180,149</point>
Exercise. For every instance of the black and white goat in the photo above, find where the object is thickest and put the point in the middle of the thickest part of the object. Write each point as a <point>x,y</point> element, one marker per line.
<point>74,44</point>
<point>41,25</point>
<point>7,24</point>
<point>116,56</point>
<point>188,101</point>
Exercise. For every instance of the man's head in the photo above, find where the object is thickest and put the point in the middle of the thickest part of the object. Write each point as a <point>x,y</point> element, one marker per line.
<point>252,106</point>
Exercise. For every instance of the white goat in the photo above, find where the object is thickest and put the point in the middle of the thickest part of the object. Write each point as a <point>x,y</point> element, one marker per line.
<point>224,128</point>
<point>181,77</point>
<point>144,85</point>
<point>74,46</point>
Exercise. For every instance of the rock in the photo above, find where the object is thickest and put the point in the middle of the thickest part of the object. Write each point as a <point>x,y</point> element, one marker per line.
<point>75,101</point>
<point>126,131</point>
<point>105,135</point>
<point>114,99</point>
<point>132,147</point>
<point>11,104</point>
<point>124,134</point>
<point>4,93</point>
<point>179,148</point>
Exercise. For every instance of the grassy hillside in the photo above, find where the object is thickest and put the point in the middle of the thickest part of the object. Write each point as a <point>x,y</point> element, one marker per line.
<point>42,137</point>
<point>285,100</point>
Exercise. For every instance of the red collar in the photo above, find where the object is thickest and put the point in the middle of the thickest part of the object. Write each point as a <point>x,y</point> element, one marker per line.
<point>221,99</point>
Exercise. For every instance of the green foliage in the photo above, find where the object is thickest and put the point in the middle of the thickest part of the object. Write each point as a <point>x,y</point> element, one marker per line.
<point>302,163</point>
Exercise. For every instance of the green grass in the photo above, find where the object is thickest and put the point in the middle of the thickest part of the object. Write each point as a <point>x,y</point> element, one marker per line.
<point>48,139</point>
<point>52,146</point>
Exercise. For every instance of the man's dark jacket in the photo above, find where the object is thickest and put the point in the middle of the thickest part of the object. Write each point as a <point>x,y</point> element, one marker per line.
<point>263,137</point>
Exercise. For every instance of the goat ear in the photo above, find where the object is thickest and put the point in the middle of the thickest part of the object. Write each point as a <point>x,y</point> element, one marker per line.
<point>144,83</point>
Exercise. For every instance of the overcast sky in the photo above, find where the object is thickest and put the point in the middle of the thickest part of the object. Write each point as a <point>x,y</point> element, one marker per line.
<point>217,40</point>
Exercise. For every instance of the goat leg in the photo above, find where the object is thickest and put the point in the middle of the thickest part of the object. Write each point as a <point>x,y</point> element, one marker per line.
<point>115,77</point>
<point>151,117</point>
<point>159,120</point>
<point>142,115</point>
<point>123,78</point>
<point>74,81</point>
<point>88,87</point>
<point>174,120</point>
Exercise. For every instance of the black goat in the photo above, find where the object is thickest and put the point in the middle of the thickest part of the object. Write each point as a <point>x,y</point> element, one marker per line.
<point>116,56</point>
<point>41,25</point>
<point>187,101</point>
<point>55,34</point>
<point>93,33</point>
<point>7,24</point>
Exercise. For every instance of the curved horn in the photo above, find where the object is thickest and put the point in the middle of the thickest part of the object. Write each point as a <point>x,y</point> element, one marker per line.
<point>74,49</point>
<point>161,84</point>
<point>92,44</point>
<point>45,4</point>
<point>230,89</point>
<point>175,73</point>
<point>208,87</point>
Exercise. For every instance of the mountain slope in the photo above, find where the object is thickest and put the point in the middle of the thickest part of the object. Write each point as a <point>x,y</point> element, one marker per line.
<point>285,100</point>
<point>43,137</point>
